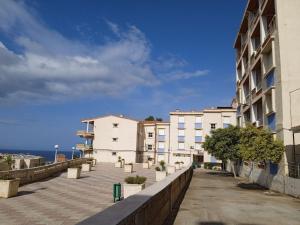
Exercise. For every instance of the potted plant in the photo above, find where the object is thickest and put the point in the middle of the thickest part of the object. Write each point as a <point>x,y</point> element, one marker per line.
<point>181,164</point>
<point>9,185</point>
<point>150,161</point>
<point>86,167</point>
<point>146,165</point>
<point>118,164</point>
<point>170,169</point>
<point>74,172</point>
<point>128,168</point>
<point>177,165</point>
<point>133,185</point>
<point>161,172</point>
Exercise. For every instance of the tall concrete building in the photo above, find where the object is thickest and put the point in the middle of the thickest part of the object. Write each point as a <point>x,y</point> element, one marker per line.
<point>268,72</point>
<point>108,137</point>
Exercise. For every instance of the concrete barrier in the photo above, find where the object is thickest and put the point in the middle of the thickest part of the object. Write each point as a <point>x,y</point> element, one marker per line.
<point>41,172</point>
<point>153,206</point>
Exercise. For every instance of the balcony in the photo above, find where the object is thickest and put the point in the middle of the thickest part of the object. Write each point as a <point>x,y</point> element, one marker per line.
<point>85,134</point>
<point>198,139</point>
<point>180,138</point>
<point>161,138</point>
<point>198,125</point>
<point>84,147</point>
<point>180,125</point>
<point>160,151</point>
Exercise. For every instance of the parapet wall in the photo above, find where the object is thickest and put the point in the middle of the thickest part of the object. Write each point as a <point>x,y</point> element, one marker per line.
<point>155,205</point>
<point>41,172</point>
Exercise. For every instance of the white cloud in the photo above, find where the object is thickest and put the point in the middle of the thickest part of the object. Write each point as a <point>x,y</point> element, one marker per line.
<point>51,66</point>
<point>184,75</point>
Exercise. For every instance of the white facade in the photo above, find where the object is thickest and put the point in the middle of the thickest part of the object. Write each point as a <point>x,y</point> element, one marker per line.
<point>179,140</point>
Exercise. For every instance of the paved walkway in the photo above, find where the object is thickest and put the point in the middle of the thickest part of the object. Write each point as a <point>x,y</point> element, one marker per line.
<point>217,199</point>
<point>66,201</point>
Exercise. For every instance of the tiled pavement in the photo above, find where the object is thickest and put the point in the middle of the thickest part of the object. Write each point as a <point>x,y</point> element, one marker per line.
<point>66,201</point>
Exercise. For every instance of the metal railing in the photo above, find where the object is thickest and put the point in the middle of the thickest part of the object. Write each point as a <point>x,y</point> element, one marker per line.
<point>294,169</point>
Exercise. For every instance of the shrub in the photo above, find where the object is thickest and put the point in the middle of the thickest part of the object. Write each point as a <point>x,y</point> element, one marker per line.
<point>177,162</point>
<point>162,164</point>
<point>135,180</point>
<point>157,168</point>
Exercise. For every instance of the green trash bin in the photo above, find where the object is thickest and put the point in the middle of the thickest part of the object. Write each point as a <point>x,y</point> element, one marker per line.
<point>117,192</point>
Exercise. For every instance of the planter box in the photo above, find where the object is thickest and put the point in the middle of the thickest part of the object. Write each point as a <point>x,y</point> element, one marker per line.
<point>181,165</point>
<point>160,175</point>
<point>170,169</point>
<point>9,188</point>
<point>128,168</point>
<point>74,173</point>
<point>150,163</point>
<point>146,165</point>
<point>118,164</point>
<point>132,189</point>
<point>86,167</point>
<point>177,166</point>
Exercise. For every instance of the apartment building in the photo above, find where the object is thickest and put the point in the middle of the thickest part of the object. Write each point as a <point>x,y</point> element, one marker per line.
<point>108,137</point>
<point>188,131</point>
<point>268,71</point>
<point>156,138</point>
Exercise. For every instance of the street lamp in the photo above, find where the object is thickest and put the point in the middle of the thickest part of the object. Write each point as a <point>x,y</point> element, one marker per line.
<point>56,149</point>
<point>73,150</point>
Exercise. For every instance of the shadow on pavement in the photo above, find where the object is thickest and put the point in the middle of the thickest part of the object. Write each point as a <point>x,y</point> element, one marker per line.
<point>251,186</point>
<point>211,223</point>
<point>220,173</point>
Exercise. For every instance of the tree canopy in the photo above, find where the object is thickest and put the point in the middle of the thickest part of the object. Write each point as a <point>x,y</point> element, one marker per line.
<point>223,143</point>
<point>152,118</point>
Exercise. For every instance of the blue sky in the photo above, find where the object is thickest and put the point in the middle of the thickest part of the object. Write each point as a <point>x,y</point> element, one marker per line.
<point>61,61</point>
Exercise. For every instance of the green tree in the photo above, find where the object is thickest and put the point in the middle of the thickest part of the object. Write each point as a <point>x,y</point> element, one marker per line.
<point>9,160</point>
<point>150,118</point>
<point>258,145</point>
<point>224,144</point>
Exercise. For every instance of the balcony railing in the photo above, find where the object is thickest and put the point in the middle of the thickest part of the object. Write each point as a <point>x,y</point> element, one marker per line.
<point>180,125</point>
<point>198,139</point>
<point>85,134</point>
<point>180,138</point>
<point>84,147</point>
<point>161,137</point>
<point>198,125</point>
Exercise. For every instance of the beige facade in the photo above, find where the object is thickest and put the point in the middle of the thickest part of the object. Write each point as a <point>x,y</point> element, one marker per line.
<point>268,71</point>
<point>180,140</point>
<point>188,131</point>
<point>111,136</point>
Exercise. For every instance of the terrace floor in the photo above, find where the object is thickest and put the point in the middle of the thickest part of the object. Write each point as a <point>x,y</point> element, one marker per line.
<point>67,201</point>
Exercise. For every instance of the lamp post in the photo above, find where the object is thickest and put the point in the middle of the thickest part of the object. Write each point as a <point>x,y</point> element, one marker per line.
<point>56,149</point>
<point>73,150</point>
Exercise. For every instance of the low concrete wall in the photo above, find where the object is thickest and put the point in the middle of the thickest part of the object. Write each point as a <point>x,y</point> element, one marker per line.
<point>41,172</point>
<point>263,177</point>
<point>155,205</point>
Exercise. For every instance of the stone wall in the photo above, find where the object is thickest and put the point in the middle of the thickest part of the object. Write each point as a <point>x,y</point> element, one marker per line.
<point>41,172</point>
<point>155,205</point>
<point>264,177</point>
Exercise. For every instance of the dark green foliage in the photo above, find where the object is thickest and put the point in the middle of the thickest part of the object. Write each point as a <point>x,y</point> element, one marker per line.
<point>135,180</point>
<point>259,145</point>
<point>223,143</point>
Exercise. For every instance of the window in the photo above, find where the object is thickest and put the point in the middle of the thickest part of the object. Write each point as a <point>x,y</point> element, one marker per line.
<point>161,132</point>
<point>181,146</point>
<point>161,145</point>
<point>198,119</point>
<point>181,133</point>
<point>115,139</point>
<point>181,119</point>
<point>226,121</point>
<point>150,135</point>
<point>270,79</point>
<point>198,133</point>
<point>115,125</point>
<point>149,147</point>
<point>198,146</point>
<point>114,153</point>
<point>212,126</point>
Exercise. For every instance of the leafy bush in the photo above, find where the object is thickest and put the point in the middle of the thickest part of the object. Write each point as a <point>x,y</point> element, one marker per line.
<point>157,168</point>
<point>135,180</point>
<point>177,162</point>
<point>258,145</point>
<point>162,165</point>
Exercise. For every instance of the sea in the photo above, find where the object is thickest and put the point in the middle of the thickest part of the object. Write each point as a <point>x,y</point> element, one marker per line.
<point>48,155</point>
